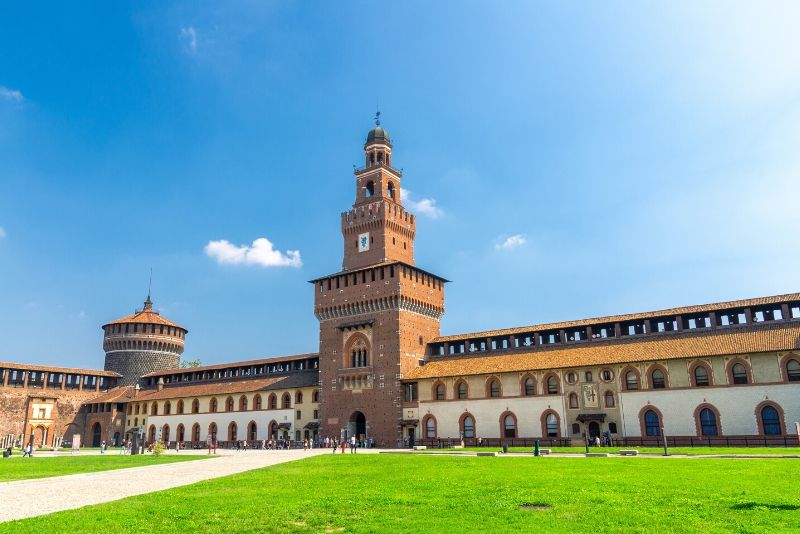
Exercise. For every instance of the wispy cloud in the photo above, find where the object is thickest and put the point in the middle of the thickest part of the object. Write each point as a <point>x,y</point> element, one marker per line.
<point>10,94</point>
<point>189,36</point>
<point>511,242</point>
<point>261,253</point>
<point>2,232</point>
<point>423,206</point>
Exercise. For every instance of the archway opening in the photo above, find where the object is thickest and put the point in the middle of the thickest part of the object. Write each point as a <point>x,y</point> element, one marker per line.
<point>358,425</point>
<point>594,429</point>
<point>96,435</point>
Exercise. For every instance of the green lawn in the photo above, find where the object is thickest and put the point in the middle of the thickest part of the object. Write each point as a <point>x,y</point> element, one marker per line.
<point>692,451</point>
<point>426,493</point>
<point>18,468</point>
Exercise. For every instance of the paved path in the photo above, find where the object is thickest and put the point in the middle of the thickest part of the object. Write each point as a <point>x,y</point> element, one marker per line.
<point>28,498</point>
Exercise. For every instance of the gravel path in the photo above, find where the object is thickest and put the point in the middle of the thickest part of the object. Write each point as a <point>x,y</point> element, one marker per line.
<point>28,498</point>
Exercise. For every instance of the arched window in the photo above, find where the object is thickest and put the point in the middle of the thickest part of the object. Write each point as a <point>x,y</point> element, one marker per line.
<point>468,426</point>
<point>195,432</point>
<point>167,408</point>
<point>658,379</point>
<point>137,409</point>
<point>631,381</point>
<point>359,352</point>
<point>652,424</point>
<point>430,427</point>
<point>298,397</point>
<point>151,434</point>
<point>739,373</point>
<point>212,430</point>
<point>552,385</point>
<point>212,406</point>
<point>609,399</point>
<point>195,406</point>
<point>390,189</point>
<point>771,421</point>
<point>315,396</point>
<point>701,377</point>
<point>286,401</point>
<point>370,188</point>
<point>529,387</point>
<point>509,426</point>
<point>708,423</point>
<point>461,390</point>
<point>180,408</point>
<point>154,409</point>
<point>551,425</point>
<point>252,431</point>
<point>242,403</point>
<point>232,432</point>
<point>273,402</point>
<point>573,400</point>
<point>439,391</point>
<point>257,402</point>
<point>793,370</point>
<point>494,388</point>
<point>165,434</point>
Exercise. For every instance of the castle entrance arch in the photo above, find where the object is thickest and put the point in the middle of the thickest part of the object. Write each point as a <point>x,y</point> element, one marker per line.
<point>358,425</point>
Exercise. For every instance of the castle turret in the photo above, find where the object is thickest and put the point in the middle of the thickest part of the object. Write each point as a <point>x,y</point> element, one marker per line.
<point>142,343</point>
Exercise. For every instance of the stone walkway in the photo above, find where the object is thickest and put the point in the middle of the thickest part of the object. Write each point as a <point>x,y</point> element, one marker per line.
<point>28,498</point>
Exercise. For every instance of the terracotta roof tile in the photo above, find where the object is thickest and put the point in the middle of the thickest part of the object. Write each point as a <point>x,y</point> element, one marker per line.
<point>145,317</point>
<point>735,340</point>
<point>54,369</point>
<point>685,310</point>
<point>246,363</point>
<point>122,394</point>
<point>229,387</point>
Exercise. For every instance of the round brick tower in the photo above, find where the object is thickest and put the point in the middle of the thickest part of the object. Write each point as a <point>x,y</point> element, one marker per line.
<point>142,343</point>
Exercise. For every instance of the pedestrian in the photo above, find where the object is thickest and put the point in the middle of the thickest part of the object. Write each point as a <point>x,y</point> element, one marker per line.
<point>103,447</point>
<point>343,445</point>
<point>27,451</point>
<point>177,447</point>
<point>353,444</point>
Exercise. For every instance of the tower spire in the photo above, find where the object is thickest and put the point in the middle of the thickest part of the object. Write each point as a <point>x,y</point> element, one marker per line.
<point>148,304</point>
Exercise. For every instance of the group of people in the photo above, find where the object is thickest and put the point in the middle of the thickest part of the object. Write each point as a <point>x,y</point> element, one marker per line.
<point>353,442</point>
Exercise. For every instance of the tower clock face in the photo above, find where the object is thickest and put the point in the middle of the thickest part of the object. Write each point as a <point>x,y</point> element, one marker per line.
<point>363,242</point>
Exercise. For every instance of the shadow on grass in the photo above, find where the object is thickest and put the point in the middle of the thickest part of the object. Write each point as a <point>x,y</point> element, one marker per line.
<point>764,506</point>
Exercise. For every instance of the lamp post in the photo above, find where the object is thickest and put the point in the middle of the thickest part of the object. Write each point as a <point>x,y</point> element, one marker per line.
<point>664,437</point>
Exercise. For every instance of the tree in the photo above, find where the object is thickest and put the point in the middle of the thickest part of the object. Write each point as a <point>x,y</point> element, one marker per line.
<point>190,363</point>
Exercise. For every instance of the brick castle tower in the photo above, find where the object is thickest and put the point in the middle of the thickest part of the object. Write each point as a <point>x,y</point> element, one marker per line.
<point>377,314</point>
<point>142,343</point>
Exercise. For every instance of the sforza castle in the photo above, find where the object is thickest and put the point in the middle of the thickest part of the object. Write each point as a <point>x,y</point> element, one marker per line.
<point>708,373</point>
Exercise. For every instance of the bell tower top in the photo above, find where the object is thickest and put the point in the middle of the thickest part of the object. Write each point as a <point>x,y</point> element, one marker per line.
<point>377,229</point>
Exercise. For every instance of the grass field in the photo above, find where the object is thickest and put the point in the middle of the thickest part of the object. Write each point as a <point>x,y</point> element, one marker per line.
<point>691,451</point>
<point>425,493</point>
<point>18,468</point>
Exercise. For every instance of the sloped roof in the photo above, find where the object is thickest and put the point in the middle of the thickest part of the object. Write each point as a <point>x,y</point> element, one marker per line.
<point>228,365</point>
<point>229,387</point>
<point>779,336</point>
<point>54,369</point>
<point>120,394</point>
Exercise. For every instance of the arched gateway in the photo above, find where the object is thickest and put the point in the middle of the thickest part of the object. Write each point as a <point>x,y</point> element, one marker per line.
<point>357,426</point>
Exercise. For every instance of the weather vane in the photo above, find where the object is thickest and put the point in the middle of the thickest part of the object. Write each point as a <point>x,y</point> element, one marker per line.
<point>377,118</point>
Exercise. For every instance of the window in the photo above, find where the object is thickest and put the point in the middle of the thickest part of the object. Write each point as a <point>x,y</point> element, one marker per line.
<point>315,396</point>
<point>154,409</point>
<point>708,423</point>
<point>652,424</point>
<point>410,391</point>
<point>242,403</point>
<point>576,428</point>
<point>631,381</point>
<point>316,414</point>
<point>229,404</point>
<point>771,421</point>
<point>233,432</point>
<point>468,427</point>
<point>573,401</point>
<point>658,379</point>
<point>529,388</point>
<point>571,378</point>
<point>195,432</point>
<point>612,428</point>
<point>195,406</point>
<point>552,386</point>
<point>494,388</point>
<point>257,402</point>
<point>588,376</point>
<point>461,390</point>
<point>609,399</point>
<point>212,406</point>
<point>167,408</point>
<point>299,414</point>
<point>551,425</point>
<point>180,409</point>
<point>273,402</point>
<point>606,375</point>
<point>739,373</point>
<point>509,426</point>
<point>430,427</point>
<point>700,376</point>
<point>439,394</point>
<point>298,397</point>
<point>793,370</point>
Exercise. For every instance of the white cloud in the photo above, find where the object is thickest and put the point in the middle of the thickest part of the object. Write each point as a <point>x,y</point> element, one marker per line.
<point>423,206</point>
<point>514,241</point>
<point>2,232</point>
<point>189,35</point>
<point>10,94</point>
<point>261,253</point>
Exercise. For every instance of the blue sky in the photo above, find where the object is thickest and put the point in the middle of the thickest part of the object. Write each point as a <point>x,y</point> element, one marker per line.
<point>565,161</point>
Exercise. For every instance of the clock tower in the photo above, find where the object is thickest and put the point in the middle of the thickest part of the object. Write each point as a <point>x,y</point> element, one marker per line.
<point>377,314</point>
